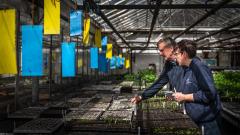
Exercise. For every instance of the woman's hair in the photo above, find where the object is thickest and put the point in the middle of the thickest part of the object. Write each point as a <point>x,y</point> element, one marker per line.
<point>187,46</point>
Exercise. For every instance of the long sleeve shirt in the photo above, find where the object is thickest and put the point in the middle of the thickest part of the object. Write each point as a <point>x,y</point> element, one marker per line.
<point>171,73</point>
<point>198,80</point>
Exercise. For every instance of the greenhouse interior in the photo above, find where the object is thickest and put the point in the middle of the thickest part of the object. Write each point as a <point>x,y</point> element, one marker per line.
<point>84,67</point>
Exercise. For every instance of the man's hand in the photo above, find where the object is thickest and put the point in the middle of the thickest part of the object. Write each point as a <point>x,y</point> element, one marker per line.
<point>179,97</point>
<point>136,99</point>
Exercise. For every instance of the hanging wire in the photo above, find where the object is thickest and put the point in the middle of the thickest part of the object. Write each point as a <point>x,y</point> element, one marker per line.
<point>32,12</point>
<point>75,4</point>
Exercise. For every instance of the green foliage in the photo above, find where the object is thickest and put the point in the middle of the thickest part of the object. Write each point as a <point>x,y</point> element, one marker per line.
<point>228,83</point>
<point>147,75</point>
<point>130,77</point>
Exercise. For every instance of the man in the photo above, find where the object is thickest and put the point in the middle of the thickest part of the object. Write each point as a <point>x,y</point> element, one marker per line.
<point>201,100</point>
<point>171,72</point>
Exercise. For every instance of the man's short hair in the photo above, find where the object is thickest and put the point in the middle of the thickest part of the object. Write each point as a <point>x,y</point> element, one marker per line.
<point>187,46</point>
<point>169,42</point>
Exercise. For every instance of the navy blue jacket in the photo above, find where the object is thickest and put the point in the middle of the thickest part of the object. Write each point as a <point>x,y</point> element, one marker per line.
<point>171,73</point>
<point>198,80</point>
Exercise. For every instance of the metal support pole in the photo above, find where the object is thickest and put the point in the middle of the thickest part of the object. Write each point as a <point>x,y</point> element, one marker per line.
<point>18,61</point>
<point>50,70</point>
<point>77,63</point>
<point>61,59</point>
<point>131,62</point>
<point>83,61</point>
<point>87,64</point>
<point>35,80</point>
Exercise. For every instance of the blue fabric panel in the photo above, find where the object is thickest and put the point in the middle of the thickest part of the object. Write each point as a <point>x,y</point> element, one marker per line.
<point>118,62</point>
<point>104,44</point>
<point>68,59</point>
<point>94,58</point>
<point>103,63</point>
<point>113,62</point>
<point>32,55</point>
<point>76,23</point>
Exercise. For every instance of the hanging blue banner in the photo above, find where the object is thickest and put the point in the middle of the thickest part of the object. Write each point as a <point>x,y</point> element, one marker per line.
<point>103,63</point>
<point>75,23</point>
<point>113,62</point>
<point>32,58</point>
<point>120,62</point>
<point>104,44</point>
<point>94,58</point>
<point>68,59</point>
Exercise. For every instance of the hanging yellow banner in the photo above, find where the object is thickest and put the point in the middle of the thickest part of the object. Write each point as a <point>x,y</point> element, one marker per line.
<point>127,63</point>
<point>80,63</point>
<point>98,38</point>
<point>86,30</point>
<point>8,64</point>
<point>109,51</point>
<point>51,16</point>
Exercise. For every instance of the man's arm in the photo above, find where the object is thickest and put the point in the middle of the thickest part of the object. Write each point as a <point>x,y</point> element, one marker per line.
<point>156,86</point>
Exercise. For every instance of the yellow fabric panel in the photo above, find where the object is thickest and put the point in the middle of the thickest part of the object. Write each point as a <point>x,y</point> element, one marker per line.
<point>86,30</point>
<point>98,38</point>
<point>109,51</point>
<point>51,16</point>
<point>80,63</point>
<point>127,63</point>
<point>8,62</point>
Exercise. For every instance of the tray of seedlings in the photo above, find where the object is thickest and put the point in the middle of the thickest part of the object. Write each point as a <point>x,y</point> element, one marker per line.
<point>123,104</point>
<point>118,120</point>
<point>83,115</point>
<point>109,121</point>
<point>120,115</point>
<point>126,86</point>
<point>74,103</point>
<point>27,113</point>
<point>178,127</point>
<point>96,104</point>
<point>39,126</point>
<point>162,114</point>
<point>76,120</point>
<point>114,121</point>
<point>160,103</point>
<point>105,98</point>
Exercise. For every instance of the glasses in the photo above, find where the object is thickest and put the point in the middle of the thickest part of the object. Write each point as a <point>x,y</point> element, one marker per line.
<point>176,53</point>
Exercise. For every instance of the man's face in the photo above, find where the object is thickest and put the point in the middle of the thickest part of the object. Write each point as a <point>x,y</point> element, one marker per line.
<point>166,52</point>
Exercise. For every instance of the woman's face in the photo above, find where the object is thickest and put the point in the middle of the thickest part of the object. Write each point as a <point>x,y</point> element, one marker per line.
<point>180,57</point>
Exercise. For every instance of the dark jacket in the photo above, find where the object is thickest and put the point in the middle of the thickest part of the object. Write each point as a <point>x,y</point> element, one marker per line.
<point>198,80</point>
<point>171,73</point>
